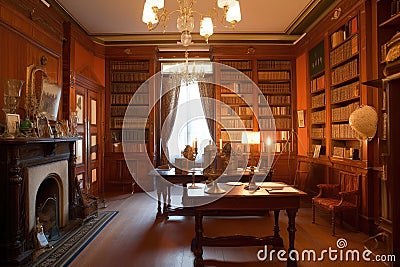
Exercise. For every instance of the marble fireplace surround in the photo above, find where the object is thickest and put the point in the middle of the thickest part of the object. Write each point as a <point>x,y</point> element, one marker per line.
<point>36,175</point>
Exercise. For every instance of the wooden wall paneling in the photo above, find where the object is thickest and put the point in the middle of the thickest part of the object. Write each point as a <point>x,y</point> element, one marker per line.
<point>26,41</point>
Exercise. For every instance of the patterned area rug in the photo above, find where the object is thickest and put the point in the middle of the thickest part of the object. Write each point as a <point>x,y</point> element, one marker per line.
<point>72,243</point>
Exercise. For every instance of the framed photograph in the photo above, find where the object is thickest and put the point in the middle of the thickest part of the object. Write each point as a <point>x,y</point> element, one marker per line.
<point>12,120</point>
<point>49,100</point>
<point>300,118</point>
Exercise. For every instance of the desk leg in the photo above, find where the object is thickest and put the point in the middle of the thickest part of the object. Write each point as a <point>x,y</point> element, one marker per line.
<point>198,250</point>
<point>292,230</point>
<point>159,211</point>
<point>276,225</point>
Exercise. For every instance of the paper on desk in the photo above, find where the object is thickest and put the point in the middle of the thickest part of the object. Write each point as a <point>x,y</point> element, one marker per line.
<point>272,185</point>
<point>286,189</point>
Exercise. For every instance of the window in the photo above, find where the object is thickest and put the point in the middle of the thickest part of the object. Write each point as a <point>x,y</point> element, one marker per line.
<point>190,123</point>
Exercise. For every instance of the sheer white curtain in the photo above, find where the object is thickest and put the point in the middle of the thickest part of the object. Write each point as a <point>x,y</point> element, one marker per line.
<point>190,123</point>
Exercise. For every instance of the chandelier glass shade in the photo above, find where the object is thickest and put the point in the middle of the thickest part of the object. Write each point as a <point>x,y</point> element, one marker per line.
<point>155,14</point>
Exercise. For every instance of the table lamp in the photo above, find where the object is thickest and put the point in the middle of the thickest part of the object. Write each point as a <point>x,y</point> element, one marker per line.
<point>252,139</point>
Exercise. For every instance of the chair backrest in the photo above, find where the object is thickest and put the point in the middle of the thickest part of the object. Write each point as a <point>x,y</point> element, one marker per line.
<point>301,176</point>
<point>348,181</point>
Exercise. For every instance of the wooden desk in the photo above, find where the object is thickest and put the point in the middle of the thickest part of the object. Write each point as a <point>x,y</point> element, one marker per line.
<point>170,177</point>
<point>239,202</point>
<point>163,186</point>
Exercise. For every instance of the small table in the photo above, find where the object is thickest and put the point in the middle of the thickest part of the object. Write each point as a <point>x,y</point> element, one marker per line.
<point>239,202</point>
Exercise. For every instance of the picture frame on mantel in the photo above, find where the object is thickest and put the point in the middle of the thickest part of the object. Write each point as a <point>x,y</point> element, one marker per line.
<point>50,100</point>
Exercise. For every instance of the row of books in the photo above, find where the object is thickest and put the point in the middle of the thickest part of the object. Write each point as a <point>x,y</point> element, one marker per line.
<point>232,100</point>
<point>229,136</point>
<point>345,72</point>
<point>343,113</point>
<point>343,152</point>
<point>235,75</point>
<point>276,111</point>
<point>273,64</point>
<point>241,65</point>
<point>124,99</point>
<point>236,123</point>
<point>135,147</point>
<point>280,123</point>
<point>273,75</point>
<point>130,65</point>
<point>283,147</point>
<point>318,100</point>
<point>346,92</point>
<point>345,51</point>
<point>129,76</point>
<point>349,29</point>
<point>318,132</point>
<point>318,83</point>
<point>240,88</point>
<point>226,111</point>
<point>138,110</point>
<point>134,123</point>
<point>343,131</point>
<point>275,88</point>
<point>318,117</point>
<point>277,99</point>
<point>128,87</point>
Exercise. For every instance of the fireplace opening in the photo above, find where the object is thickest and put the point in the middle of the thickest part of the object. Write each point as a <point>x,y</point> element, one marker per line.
<point>48,206</point>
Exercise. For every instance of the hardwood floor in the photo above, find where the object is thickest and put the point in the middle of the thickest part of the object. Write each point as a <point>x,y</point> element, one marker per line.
<point>136,238</point>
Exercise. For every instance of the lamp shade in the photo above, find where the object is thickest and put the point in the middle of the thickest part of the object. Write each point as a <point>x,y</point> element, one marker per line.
<point>225,3</point>
<point>156,3</point>
<point>148,15</point>
<point>233,15</point>
<point>206,27</point>
<point>250,138</point>
<point>364,121</point>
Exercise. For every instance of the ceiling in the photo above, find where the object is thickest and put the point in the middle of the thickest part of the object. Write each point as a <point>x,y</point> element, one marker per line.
<point>263,21</point>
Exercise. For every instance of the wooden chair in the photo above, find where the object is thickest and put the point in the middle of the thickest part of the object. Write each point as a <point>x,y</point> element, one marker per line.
<point>337,198</point>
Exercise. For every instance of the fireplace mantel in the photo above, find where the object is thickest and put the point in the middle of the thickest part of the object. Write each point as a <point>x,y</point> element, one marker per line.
<point>16,156</point>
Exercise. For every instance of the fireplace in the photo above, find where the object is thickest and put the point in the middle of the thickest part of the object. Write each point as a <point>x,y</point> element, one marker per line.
<point>37,179</point>
<point>48,194</point>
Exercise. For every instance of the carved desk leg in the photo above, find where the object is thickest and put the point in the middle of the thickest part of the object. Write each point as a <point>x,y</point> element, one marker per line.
<point>292,230</point>
<point>198,249</point>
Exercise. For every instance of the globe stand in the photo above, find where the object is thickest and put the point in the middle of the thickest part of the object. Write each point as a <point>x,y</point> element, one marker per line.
<point>213,188</point>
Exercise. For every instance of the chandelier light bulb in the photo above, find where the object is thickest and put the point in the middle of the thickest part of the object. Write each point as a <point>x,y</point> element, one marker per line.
<point>233,14</point>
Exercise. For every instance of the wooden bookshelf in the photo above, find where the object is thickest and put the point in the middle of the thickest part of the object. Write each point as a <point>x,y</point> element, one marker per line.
<point>126,77</point>
<point>274,82</point>
<point>128,87</point>
<point>237,93</point>
<point>344,88</point>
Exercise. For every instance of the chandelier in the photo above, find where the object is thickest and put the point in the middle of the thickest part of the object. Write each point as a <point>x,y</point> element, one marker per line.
<point>155,14</point>
<point>186,73</point>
